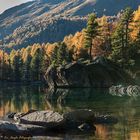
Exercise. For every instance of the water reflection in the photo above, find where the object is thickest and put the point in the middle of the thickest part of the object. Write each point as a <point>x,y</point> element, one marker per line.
<point>97,99</point>
<point>126,109</point>
<point>21,99</point>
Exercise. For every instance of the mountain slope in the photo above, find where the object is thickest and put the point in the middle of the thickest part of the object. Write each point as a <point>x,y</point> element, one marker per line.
<point>50,20</point>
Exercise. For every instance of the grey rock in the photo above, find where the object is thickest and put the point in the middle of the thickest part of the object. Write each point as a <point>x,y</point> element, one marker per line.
<point>97,73</point>
<point>54,120</point>
<point>11,115</point>
<point>87,127</point>
<point>47,119</point>
<point>12,129</point>
<point>80,116</point>
<point>38,122</point>
<point>17,116</point>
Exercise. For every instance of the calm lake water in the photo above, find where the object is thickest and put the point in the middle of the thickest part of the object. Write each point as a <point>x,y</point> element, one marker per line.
<point>126,109</point>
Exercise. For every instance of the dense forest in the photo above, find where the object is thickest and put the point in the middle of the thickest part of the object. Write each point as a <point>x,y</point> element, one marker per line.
<point>115,38</point>
<point>42,21</point>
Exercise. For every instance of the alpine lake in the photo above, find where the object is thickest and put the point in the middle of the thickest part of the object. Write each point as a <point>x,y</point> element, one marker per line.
<point>17,98</point>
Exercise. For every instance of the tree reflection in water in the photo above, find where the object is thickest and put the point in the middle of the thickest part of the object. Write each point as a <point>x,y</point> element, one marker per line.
<point>126,109</point>
<point>21,99</point>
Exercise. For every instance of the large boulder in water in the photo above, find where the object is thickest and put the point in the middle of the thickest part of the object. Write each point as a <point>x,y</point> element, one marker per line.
<point>80,116</point>
<point>97,73</point>
<point>54,121</point>
<point>47,119</point>
<point>35,123</point>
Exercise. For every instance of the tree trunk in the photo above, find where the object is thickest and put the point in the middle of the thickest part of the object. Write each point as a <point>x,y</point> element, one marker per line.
<point>123,53</point>
<point>90,51</point>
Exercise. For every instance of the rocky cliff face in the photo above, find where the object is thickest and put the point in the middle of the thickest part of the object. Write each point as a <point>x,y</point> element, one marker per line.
<point>98,73</point>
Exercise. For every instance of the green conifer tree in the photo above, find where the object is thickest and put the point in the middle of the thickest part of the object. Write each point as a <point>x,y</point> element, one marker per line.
<point>17,66</point>
<point>36,65</point>
<point>90,33</point>
<point>121,39</point>
<point>62,54</point>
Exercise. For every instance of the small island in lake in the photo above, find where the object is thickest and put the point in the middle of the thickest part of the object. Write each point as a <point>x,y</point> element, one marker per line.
<point>70,68</point>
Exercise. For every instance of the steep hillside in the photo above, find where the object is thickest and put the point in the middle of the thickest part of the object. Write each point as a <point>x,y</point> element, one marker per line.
<point>51,20</point>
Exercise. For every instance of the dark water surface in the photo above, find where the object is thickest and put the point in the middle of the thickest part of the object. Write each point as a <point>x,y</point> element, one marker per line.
<point>126,109</point>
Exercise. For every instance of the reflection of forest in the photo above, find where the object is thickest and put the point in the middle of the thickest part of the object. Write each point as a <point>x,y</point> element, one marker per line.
<point>126,109</point>
<point>20,99</point>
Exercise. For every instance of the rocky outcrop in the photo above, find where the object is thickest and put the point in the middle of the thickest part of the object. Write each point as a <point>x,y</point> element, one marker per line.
<point>47,119</point>
<point>121,90</point>
<point>37,123</point>
<point>54,120</point>
<point>97,73</point>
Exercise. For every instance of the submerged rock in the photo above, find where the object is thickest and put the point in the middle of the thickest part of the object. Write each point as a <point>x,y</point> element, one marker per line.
<point>105,119</point>
<point>12,129</point>
<point>97,73</point>
<point>125,90</point>
<point>80,116</point>
<point>87,127</point>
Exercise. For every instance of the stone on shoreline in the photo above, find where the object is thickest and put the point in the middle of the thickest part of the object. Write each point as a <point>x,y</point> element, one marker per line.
<point>54,120</point>
<point>97,73</point>
<point>13,129</point>
<point>39,123</point>
<point>47,119</point>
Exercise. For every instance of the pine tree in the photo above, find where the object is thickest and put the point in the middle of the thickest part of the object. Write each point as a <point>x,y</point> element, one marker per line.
<point>36,65</point>
<point>11,59</point>
<point>9,70</point>
<point>17,66</point>
<point>90,33</point>
<point>126,19</point>
<point>118,45</point>
<point>62,54</point>
<point>27,68</point>
<point>53,57</point>
<point>121,39</point>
